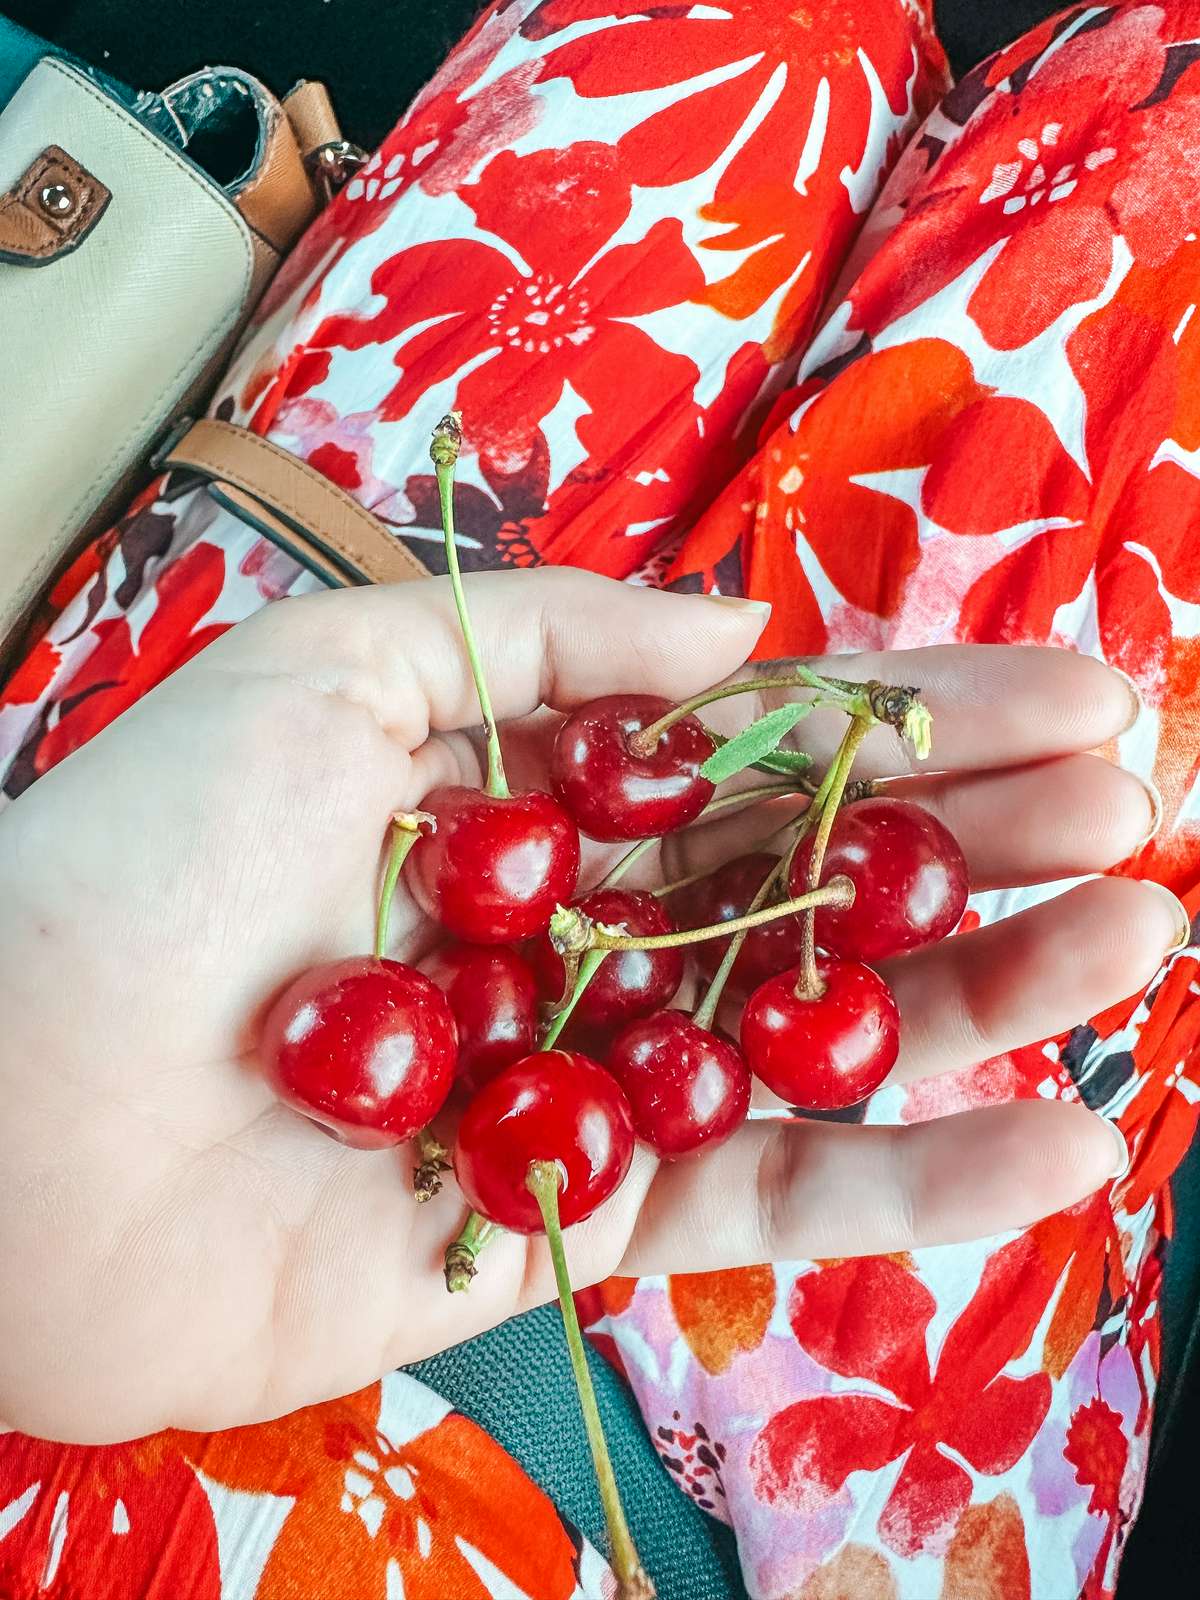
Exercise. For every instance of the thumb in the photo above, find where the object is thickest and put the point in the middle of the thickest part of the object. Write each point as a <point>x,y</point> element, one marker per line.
<point>555,636</point>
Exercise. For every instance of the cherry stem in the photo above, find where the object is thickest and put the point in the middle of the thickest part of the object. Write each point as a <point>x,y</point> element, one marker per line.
<point>838,893</point>
<point>447,442</point>
<point>892,704</point>
<point>706,1011</point>
<point>740,797</point>
<point>810,986</point>
<point>463,1252</point>
<point>427,1175</point>
<point>543,1181</point>
<point>406,830</point>
<point>587,971</point>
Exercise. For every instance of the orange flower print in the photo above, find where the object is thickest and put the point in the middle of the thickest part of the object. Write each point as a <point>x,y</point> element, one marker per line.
<point>396,1495</point>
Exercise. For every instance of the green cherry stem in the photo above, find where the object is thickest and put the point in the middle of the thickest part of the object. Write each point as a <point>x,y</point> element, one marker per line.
<point>463,1252</point>
<point>447,442</point>
<point>587,971</point>
<point>742,798</point>
<point>616,873</point>
<point>834,786</point>
<point>893,704</point>
<point>706,1011</point>
<point>406,830</point>
<point>633,1583</point>
<point>572,931</point>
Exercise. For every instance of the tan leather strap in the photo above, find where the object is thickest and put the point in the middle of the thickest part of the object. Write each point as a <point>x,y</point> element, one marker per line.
<point>291,504</point>
<point>50,210</point>
<point>310,112</point>
<point>286,190</point>
<point>278,202</point>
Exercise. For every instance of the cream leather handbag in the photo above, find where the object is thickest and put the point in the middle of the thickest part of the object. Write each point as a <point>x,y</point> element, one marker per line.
<point>126,272</point>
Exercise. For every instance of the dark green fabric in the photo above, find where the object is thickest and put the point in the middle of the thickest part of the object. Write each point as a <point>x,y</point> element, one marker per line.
<point>20,52</point>
<point>516,1383</point>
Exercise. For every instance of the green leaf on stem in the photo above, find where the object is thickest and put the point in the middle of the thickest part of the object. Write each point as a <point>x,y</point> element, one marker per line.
<point>761,738</point>
<point>791,763</point>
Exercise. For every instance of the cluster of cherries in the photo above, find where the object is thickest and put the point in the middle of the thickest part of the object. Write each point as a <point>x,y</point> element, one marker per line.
<point>373,1048</point>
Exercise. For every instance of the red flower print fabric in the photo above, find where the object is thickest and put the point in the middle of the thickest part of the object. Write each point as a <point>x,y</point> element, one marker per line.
<point>734,301</point>
<point>387,1494</point>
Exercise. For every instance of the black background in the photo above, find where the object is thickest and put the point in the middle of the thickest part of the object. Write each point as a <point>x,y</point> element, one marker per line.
<point>373,54</point>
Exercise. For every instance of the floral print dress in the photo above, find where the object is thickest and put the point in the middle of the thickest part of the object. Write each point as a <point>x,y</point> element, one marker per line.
<point>737,297</point>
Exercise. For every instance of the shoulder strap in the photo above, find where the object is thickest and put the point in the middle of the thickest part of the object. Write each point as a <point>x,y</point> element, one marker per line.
<point>317,522</point>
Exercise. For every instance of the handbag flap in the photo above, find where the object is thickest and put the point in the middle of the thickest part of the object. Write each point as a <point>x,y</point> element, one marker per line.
<point>103,342</point>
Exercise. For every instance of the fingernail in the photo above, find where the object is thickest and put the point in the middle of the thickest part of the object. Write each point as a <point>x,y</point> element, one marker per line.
<point>1183,923</point>
<point>1156,809</point>
<point>757,608</point>
<point>1137,704</point>
<point>1121,1161</point>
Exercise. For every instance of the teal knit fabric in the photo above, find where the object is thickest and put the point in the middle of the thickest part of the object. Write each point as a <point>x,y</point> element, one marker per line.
<point>516,1383</point>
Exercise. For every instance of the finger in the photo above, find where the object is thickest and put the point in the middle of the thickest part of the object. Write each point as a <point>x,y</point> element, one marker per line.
<point>1031,976</point>
<point>992,706</point>
<point>795,1190</point>
<point>1034,824</point>
<point>556,636</point>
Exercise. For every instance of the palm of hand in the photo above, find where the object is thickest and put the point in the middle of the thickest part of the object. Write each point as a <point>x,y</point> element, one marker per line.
<point>202,1255</point>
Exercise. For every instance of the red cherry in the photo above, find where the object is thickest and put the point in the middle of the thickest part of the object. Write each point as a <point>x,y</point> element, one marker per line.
<point>494,997</point>
<point>628,983</point>
<point>493,870</point>
<point>909,875</point>
<point>726,894</point>
<point>829,1052</point>
<point>553,1106</point>
<point>614,793</point>
<point>364,1047</point>
<point>686,1087</point>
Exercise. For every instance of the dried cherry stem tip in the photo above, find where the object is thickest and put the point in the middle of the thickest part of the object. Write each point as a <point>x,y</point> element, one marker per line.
<point>573,931</point>
<point>463,1253</point>
<point>443,451</point>
<point>407,827</point>
<point>427,1175</point>
<point>542,1181</point>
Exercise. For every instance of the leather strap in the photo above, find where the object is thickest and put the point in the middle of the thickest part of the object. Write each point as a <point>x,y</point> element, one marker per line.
<point>278,202</point>
<point>314,122</point>
<point>291,504</point>
<point>50,210</point>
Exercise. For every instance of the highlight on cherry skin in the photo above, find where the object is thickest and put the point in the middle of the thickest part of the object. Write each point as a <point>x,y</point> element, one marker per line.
<point>493,996</point>
<point>615,790</point>
<point>829,1051</point>
<point>687,1087</point>
<point>364,1047</point>
<point>553,1106</point>
<point>909,873</point>
<point>629,983</point>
